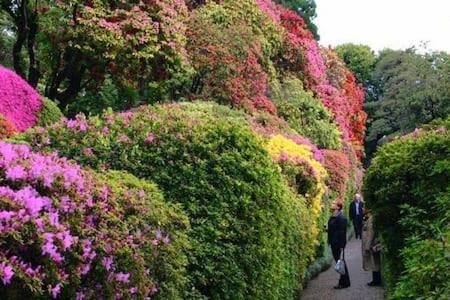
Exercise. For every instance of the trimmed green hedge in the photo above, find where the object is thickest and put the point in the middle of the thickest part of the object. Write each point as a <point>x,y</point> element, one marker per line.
<point>169,266</point>
<point>248,230</point>
<point>407,188</point>
<point>49,114</point>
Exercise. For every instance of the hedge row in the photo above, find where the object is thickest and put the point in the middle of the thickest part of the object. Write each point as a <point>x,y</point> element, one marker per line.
<point>408,191</point>
<point>252,236</point>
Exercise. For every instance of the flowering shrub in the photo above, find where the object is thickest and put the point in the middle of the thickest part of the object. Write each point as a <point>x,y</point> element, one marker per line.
<point>7,128</point>
<point>342,79</point>
<point>407,188</point>
<point>306,114</point>
<point>305,173</point>
<point>19,102</point>
<point>338,167</point>
<point>67,234</point>
<point>249,234</point>
<point>126,39</point>
<point>230,46</point>
<point>322,72</point>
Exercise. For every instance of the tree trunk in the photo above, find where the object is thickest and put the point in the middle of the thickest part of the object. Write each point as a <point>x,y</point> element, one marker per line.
<point>33,69</point>
<point>17,49</point>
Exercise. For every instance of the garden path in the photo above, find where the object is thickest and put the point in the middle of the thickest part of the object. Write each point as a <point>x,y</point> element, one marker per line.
<point>321,288</point>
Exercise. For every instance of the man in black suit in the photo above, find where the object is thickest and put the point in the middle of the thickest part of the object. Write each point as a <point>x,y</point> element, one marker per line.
<point>337,238</point>
<point>356,215</point>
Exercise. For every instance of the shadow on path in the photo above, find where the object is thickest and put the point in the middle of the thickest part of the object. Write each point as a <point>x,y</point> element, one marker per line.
<point>321,287</point>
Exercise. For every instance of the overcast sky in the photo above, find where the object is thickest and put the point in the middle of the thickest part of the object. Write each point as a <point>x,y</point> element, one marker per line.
<point>396,24</point>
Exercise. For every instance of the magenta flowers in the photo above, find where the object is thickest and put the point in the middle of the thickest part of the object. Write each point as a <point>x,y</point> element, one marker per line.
<point>19,102</point>
<point>65,231</point>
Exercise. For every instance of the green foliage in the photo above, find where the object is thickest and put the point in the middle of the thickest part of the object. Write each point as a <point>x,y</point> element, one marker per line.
<point>306,114</point>
<point>249,232</point>
<point>407,189</point>
<point>168,267</point>
<point>427,268</point>
<point>360,59</point>
<point>107,95</point>
<point>49,113</point>
<point>411,90</point>
<point>6,40</point>
<point>140,44</point>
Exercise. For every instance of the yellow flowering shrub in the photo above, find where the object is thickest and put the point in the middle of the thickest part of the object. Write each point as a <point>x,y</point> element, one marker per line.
<point>303,173</point>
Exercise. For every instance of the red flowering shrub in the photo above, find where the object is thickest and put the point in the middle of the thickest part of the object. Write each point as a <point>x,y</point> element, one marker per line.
<point>19,102</point>
<point>231,54</point>
<point>342,79</point>
<point>7,128</point>
<point>67,233</point>
<point>338,167</point>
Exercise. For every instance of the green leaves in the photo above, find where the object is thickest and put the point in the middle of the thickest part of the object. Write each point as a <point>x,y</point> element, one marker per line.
<point>248,236</point>
<point>306,114</point>
<point>407,189</point>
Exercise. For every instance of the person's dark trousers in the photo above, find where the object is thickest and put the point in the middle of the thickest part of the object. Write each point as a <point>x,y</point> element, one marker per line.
<point>344,280</point>
<point>357,226</point>
<point>376,278</point>
<point>336,250</point>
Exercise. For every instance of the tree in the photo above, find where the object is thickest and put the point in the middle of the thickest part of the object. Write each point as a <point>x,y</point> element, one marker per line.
<point>412,89</point>
<point>306,9</point>
<point>24,15</point>
<point>6,40</point>
<point>360,59</point>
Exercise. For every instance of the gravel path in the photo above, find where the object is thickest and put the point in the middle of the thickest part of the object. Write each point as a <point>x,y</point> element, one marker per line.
<point>321,287</point>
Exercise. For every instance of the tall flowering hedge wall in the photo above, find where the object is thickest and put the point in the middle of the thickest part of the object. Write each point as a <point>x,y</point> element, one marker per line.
<point>69,233</point>
<point>255,183</point>
<point>253,235</point>
<point>19,102</point>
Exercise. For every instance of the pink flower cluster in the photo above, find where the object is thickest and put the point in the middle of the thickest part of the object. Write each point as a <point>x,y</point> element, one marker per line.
<point>345,99</point>
<point>58,221</point>
<point>19,102</point>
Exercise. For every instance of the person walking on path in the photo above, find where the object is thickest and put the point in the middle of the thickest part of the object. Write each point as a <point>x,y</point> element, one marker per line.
<point>356,214</point>
<point>371,251</point>
<point>337,238</point>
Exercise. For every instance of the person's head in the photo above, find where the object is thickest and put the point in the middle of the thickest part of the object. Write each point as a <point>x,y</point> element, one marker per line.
<point>358,197</point>
<point>336,207</point>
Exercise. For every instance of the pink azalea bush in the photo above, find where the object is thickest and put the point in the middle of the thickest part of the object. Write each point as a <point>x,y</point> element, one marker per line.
<point>68,233</point>
<point>322,72</point>
<point>19,102</point>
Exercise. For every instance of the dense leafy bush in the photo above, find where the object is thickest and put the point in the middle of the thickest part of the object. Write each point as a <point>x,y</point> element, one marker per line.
<point>407,189</point>
<point>68,234</point>
<point>19,102</point>
<point>49,113</point>
<point>427,268</point>
<point>306,114</point>
<point>250,233</point>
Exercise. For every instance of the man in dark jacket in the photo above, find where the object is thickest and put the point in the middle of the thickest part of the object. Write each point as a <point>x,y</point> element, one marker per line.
<point>356,215</point>
<point>337,238</point>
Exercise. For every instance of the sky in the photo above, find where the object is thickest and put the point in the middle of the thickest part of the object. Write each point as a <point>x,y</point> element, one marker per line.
<point>396,24</point>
